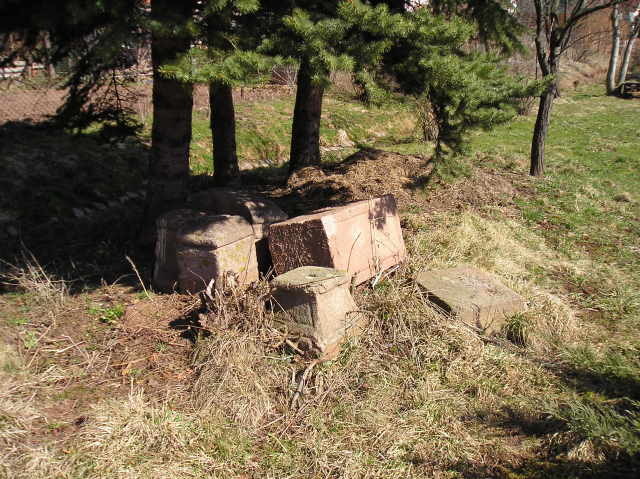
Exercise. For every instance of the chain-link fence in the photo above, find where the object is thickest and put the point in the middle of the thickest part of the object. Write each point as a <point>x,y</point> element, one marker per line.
<point>37,97</point>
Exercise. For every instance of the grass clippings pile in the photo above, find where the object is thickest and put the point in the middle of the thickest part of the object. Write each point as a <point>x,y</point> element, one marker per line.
<point>366,174</point>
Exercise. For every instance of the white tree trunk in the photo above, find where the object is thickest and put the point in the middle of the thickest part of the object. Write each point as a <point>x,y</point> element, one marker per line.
<point>615,49</point>
<point>628,49</point>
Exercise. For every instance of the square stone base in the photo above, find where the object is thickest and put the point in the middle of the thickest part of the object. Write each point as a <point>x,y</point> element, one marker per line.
<point>475,297</point>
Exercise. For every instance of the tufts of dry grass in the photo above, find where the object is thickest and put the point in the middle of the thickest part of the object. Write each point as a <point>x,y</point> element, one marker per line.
<point>417,395</point>
<point>30,277</point>
<point>514,254</point>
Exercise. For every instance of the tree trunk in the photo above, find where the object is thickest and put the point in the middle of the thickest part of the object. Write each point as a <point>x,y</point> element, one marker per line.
<point>46,40</point>
<point>540,130</point>
<point>305,132</point>
<point>223,128</point>
<point>626,59</point>
<point>172,106</point>
<point>615,49</point>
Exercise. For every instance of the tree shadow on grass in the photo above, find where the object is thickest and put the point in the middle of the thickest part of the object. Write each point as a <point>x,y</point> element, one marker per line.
<point>74,202</point>
<point>628,468</point>
<point>592,433</point>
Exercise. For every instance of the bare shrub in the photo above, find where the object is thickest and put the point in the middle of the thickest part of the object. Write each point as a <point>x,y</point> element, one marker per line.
<point>525,105</point>
<point>286,75</point>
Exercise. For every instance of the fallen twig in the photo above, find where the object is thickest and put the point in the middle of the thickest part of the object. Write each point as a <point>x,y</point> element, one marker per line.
<point>302,382</point>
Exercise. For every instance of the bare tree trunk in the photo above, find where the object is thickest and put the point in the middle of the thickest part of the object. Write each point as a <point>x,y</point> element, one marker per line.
<point>615,49</point>
<point>223,128</point>
<point>172,106</point>
<point>540,131</point>
<point>305,132</point>
<point>626,59</point>
<point>51,71</point>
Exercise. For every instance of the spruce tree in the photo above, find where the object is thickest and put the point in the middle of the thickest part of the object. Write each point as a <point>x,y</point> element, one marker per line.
<point>172,107</point>
<point>465,89</point>
<point>224,57</point>
<point>324,37</point>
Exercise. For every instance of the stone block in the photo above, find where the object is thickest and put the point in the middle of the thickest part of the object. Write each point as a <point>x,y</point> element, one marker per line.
<point>315,304</point>
<point>475,297</point>
<point>260,212</point>
<point>218,247</point>
<point>363,238</point>
<point>165,270</point>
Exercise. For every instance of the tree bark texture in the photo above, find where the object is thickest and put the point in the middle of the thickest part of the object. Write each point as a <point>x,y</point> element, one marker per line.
<point>172,107</point>
<point>628,50</point>
<point>615,49</point>
<point>305,132</point>
<point>540,132</point>
<point>46,40</point>
<point>223,128</point>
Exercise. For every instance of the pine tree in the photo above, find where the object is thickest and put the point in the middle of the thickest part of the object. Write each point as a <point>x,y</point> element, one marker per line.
<point>324,37</point>
<point>465,90</point>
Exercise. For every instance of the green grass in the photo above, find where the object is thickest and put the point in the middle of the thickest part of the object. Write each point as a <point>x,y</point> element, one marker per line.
<point>587,209</point>
<point>263,131</point>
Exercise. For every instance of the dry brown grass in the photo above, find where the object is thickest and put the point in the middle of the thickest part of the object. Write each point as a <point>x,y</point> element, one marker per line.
<point>417,395</point>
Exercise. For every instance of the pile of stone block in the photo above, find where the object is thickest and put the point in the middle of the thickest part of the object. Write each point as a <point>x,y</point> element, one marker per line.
<point>228,235</point>
<point>221,237</point>
<point>231,231</point>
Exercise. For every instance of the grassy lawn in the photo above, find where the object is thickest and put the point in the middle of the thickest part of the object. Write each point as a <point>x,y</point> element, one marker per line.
<point>264,128</point>
<point>101,382</point>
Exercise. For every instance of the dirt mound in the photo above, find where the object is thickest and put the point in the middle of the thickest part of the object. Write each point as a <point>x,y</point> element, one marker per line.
<point>370,173</point>
<point>365,174</point>
<point>483,188</point>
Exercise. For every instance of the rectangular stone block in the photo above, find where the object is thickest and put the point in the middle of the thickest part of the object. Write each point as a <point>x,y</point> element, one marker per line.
<point>316,305</point>
<point>363,238</point>
<point>218,247</point>
<point>260,212</point>
<point>165,270</point>
<point>475,297</point>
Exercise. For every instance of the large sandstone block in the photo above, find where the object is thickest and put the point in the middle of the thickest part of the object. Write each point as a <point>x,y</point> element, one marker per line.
<point>475,297</point>
<point>215,247</point>
<point>165,270</point>
<point>316,305</point>
<point>362,238</point>
<point>260,212</point>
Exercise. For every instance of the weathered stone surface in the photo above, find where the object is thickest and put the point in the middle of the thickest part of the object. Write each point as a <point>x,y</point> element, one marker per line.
<point>475,297</point>
<point>260,212</point>
<point>362,238</point>
<point>316,304</point>
<point>214,247</point>
<point>165,271</point>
